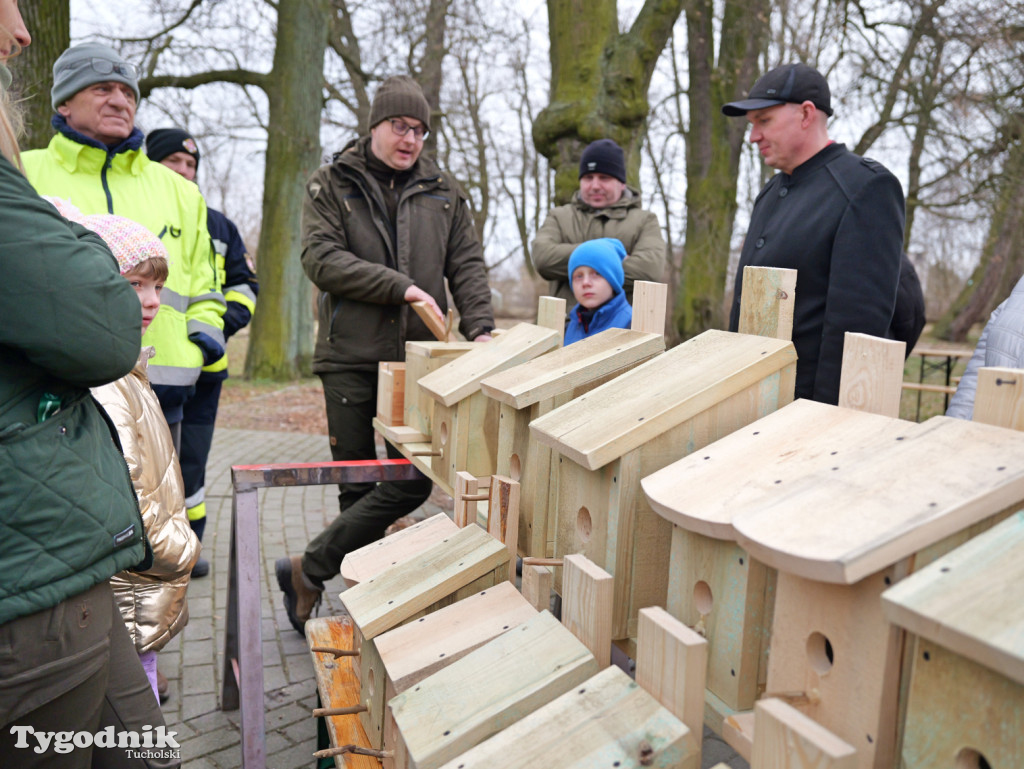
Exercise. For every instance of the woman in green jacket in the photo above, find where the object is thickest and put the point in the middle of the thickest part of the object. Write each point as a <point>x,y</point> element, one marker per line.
<point>68,515</point>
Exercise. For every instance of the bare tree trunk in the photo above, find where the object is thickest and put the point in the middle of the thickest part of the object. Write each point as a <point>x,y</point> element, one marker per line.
<point>713,153</point>
<point>1000,265</point>
<point>430,64</point>
<point>281,341</point>
<point>49,23</point>
<point>599,82</point>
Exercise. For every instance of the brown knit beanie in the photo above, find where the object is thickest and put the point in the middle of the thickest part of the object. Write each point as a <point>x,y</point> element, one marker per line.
<point>397,96</point>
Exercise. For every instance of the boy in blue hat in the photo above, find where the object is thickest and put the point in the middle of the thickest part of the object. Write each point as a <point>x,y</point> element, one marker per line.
<point>595,270</point>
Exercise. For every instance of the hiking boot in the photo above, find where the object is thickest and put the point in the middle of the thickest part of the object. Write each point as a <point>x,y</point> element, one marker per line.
<point>300,598</point>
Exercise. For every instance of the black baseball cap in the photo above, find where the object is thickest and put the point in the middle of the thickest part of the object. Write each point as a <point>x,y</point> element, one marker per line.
<point>788,84</point>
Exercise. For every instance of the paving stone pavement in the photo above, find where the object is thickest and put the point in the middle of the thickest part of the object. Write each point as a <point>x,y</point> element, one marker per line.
<point>193,661</point>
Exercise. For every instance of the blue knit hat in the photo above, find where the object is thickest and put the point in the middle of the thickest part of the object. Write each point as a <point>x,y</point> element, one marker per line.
<point>604,256</point>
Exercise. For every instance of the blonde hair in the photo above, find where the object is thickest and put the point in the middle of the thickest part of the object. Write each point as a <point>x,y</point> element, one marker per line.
<point>10,115</point>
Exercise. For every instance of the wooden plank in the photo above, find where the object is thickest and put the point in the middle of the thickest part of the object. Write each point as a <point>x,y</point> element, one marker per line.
<point>784,738</point>
<point>634,408</point>
<point>339,687</point>
<point>391,392</point>
<point>399,434</point>
<point>872,375</point>
<point>440,328</point>
<point>412,585</point>
<point>671,663</point>
<point>369,561</point>
<point>999,399</point>
<point>420,455</point>
<point>461,377</point>
<point>608,352</point>
<point>961,712</point>
<point>490,688</point>
<point>839,660</point>
<point>767,301</point>
<point>883,504</point>
<point>536,586</point>
<point>503,517</point>
<point>650,305</point>
<point>551,314</point>
<point>587,605</point>
<point>702,492</point>
<point>415,651</point>
<point>464,510</point>
<point>420,359</point>
<point>971,600</point>
<point>608,721</point>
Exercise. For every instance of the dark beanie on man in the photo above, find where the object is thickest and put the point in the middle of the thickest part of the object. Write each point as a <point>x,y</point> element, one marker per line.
<point>166,141</point>
<point>604,157</point>
<point>399,96</point>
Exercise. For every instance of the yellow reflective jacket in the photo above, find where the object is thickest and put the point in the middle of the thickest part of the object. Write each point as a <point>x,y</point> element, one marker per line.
<point>131,185</point>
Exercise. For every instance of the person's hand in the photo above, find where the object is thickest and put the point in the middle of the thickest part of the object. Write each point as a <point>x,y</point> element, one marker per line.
<point>417,294</point>
<point>482,338</point>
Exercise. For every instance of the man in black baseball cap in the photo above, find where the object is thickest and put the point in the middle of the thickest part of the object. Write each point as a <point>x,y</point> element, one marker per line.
<point>831,215</point>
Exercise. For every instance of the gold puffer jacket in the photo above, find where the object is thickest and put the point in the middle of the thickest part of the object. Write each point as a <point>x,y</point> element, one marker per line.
<point>152,603</point>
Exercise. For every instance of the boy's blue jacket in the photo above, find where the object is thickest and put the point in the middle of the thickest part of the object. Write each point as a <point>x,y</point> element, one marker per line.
<point>615,313</point>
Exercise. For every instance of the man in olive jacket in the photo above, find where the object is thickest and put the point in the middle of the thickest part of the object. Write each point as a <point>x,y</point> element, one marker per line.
<point>382,226</point>
<point>603,207</point>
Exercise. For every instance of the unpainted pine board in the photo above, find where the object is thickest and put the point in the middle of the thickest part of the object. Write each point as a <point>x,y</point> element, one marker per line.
<point>402,434</point>
<point>767,302</point>
<point>607,721</point>
<point>551,314</point>
<point>462,376</point>
<point>503,516</point>
<point>667,390</point>
<point>714,585</point>
<point>650,305</point>
<point>885,503</point>
<point>464,510</point>
<point>971,601</point>
<point>366,562</point>
<point>999,398</point>
<point>702,492</point>
<point>784,738</point>
<point>587,605</point>
<point>439,327</point>
<point>418,649</point>
<point>958,710</point>
<point>563,370</point>
<point>872,374</point>
<point>410,586</point>
<point>421,358</point>
<point>338,687</point>
<point>476,417</point>
<point>391,392</point>
<point>851,684</point>
<point>671,664</point>
<point>459,706</point>
<point>529,463</point>
<point>536,586</point>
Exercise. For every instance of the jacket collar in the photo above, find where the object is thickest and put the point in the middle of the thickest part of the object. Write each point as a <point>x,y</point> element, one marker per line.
<point>617,210</point>
<point>354,156</point>
<point>823,157</point>
<point>79,153</point>
<point>132,142</point>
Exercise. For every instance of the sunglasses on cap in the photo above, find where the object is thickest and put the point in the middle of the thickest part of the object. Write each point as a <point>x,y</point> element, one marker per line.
<point>105,67</point>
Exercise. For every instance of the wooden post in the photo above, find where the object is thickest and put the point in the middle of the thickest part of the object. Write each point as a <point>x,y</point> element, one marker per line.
<point>766,305</point>
<point>650,305</point>
<point>872,374</point>
<point>671,664</point>
<point>587,605</point>
<point>999,399</point>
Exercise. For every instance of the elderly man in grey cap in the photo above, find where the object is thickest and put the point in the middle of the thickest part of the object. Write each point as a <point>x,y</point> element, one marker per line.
<point>833,216</point>
<point>382,226</point>
<point>95,160</point>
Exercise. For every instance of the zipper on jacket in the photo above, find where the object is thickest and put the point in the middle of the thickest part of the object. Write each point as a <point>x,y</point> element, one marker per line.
<point>106,188</point>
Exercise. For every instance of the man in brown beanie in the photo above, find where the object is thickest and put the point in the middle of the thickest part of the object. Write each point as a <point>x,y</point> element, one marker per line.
<point>382,226</point>
<point>604,207</point>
